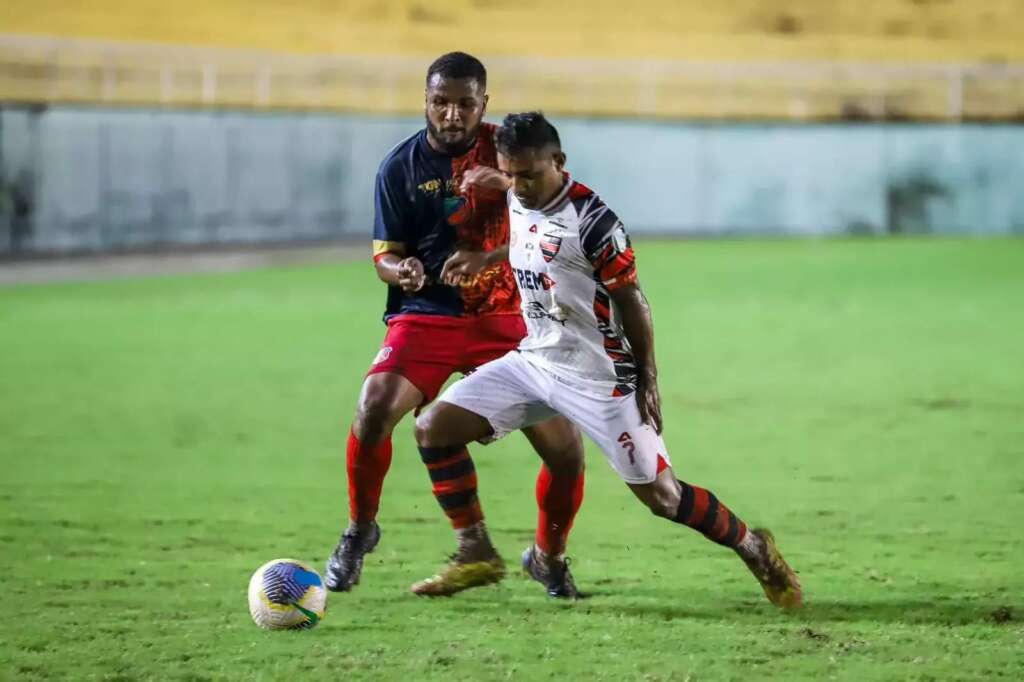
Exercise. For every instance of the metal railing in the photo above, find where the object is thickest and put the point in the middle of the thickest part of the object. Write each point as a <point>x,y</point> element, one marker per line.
<point>45,70</point>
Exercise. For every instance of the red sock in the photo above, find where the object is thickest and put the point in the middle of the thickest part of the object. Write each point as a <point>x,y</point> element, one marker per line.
<point>558,500</point>
<point>367,468</point>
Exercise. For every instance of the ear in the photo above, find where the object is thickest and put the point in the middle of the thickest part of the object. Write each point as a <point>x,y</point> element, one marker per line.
<point>483,110</point>
<point>559,158</point>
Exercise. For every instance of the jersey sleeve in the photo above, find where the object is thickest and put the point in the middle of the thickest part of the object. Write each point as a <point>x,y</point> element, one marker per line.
<point>606,244</point>
<point>392,217</point>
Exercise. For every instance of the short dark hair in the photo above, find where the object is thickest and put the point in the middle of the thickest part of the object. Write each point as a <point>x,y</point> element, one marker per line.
<point>527,130</point>
<point>458,65</point>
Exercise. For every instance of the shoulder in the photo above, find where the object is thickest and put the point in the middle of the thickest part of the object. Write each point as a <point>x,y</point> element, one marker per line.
<point>586,202</point>
<point>398,162</point>
<point>596,221</point>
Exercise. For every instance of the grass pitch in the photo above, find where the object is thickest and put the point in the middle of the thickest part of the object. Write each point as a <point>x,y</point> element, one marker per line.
<point>161,438</point>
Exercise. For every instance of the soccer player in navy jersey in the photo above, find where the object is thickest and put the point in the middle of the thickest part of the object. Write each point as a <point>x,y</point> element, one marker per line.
<point>432,226</point>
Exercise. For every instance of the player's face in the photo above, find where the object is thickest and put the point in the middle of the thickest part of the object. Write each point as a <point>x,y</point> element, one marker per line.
<point>536,174</point>
<point>454,110</point>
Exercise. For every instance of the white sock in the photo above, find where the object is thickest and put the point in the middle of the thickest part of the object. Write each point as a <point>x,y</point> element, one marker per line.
<point>546,558</point>
<point>471,533</point>
<point>750,545</point>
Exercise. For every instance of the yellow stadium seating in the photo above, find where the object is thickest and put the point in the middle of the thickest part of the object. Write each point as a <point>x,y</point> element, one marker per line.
<point>888,30</point>
<point>603,52</point>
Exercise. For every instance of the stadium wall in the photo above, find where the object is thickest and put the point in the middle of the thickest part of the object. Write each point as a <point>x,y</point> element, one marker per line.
<point>86,179</point>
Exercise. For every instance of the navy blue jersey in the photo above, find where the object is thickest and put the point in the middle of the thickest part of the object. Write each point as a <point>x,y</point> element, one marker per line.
<point>420,212</point>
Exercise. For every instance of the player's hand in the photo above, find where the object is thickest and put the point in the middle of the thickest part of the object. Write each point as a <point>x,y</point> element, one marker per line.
<point>486,178</point>
<point>648,399</point>
<point>411,276</point>
<point>462,266</point>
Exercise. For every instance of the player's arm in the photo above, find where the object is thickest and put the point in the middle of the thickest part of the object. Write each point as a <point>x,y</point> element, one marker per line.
<point>392,215</point>
<point>638,327</point>
<point>486,178</point>
<point>610,252</point>
<point>464,263</point>
<point>397,270</point>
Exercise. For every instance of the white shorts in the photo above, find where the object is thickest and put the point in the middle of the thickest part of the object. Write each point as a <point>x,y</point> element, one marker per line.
<point>512,392</point>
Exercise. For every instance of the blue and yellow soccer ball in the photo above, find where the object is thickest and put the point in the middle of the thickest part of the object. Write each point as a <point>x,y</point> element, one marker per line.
<point>285,594</point>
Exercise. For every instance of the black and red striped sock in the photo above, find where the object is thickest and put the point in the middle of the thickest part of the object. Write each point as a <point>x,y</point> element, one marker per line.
<point>454,482</point>
<point>367,467</point>
<point>558,500</point>
<point>700,509</point>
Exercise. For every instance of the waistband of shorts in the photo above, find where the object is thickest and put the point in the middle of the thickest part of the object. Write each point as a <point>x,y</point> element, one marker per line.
<point>427,320</point>
<point>450,320</point>
<point>565,375</point>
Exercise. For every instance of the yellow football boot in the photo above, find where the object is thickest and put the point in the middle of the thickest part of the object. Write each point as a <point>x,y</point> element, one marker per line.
<point>461,575</point>
<point>779,582</point>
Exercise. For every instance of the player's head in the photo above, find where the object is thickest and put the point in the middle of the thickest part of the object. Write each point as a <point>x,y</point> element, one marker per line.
<point>456,100</point>
<point>530,154</point>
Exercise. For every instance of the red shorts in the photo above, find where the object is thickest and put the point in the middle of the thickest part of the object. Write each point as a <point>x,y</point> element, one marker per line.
<point>427,349</point>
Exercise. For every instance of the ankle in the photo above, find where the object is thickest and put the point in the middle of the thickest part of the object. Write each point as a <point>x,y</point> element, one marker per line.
<point>547,559</point>
<point>361,527</point>
<point>474,542</point>
<point>750,547</point>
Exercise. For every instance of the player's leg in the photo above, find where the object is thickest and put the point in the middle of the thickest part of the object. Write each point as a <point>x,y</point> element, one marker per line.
<point>442,434</point>
<point>639,456</point>
<point>410,369</point>
<point>559,496</point>
<point>559,486</point>
<point>384,399</point>
<point>485,405</point>
<point>700,509</point>
<point>560,481</point>
<point>691,506</point>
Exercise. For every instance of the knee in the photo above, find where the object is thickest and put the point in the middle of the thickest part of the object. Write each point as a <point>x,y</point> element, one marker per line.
<point>427,433</point>
<point>664,502</point>
<point>567,460</point>
<point>374,416</point>
<point>563,456</point>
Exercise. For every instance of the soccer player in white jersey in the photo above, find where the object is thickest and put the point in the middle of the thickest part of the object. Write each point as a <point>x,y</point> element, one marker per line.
<point>588,355</point>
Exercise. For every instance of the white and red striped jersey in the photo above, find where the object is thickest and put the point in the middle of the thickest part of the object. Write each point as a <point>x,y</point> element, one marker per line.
<point>567,257</point>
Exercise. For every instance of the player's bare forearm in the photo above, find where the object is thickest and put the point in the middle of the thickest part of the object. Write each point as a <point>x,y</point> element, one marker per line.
<point>463,265</point>
<point>638,327</point>
<point>401,272</point>
<point>486,178</point>
<point>639,330</point>
<point>387,268</point>
<point>498,255</point>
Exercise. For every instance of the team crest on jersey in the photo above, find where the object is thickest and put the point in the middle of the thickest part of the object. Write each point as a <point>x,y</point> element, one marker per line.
<point>549,245</point>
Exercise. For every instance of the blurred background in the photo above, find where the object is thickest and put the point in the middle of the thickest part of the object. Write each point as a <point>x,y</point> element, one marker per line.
<point>136,125</point>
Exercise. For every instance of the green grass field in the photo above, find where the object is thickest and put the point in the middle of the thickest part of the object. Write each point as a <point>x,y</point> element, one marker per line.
<point>161,438</point>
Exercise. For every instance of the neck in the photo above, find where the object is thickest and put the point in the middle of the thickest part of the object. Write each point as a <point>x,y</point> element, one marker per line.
<point>554,192</point>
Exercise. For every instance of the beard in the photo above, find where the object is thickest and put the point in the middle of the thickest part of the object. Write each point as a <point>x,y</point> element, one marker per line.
<point>456,148</point>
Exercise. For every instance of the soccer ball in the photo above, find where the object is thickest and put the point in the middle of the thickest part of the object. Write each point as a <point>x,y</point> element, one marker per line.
<point>285,594</point>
